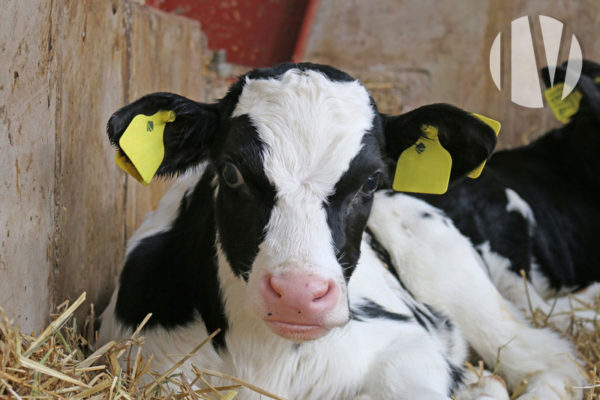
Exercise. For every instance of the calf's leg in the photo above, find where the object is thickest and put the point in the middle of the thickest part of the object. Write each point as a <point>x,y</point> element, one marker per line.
<point>440,267</point>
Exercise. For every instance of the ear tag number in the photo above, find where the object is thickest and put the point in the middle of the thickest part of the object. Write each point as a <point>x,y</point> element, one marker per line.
<point>563,109</point>
<point>142,141</point>
<point>425,166</point>
<point>495,125</point>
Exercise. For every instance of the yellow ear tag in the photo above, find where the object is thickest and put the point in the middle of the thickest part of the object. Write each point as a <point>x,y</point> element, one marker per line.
<point>495,125</point>
<point>563,109</point>
<point>425,166</point>
<point>142,141</point>
<point>128,167</point>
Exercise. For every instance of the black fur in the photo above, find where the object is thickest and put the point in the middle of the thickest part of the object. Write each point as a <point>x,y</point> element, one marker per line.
<point>242,213</point>
<point>368,309</point>
<point>383,254</point>
<point>187,139</point>
<point>348,208</point>
<point>558,175</point>
<point>457,375</point>
<point>173,274</point>
<point>468,140</point>
<point>587,84</point>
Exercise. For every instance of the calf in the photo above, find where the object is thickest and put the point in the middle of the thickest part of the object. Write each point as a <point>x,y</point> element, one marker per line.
<point>537,208</point>
<point>265,237</point>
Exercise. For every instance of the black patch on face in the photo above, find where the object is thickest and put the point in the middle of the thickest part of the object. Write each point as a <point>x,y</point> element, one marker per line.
<point>348,208</point>
<point>368,309</point>
<point>173,274</point>
<point>242,212</point>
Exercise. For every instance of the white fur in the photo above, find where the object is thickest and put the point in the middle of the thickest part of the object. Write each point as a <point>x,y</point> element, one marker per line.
<point>440,267</point>
<point>110,328</point>
<point>378,359</point>
<point>358,357</point>
<point>541,283</point>
<point>339,364</point>
<point>561,309</point>
<point>517,204</point>
<point>312,128</point>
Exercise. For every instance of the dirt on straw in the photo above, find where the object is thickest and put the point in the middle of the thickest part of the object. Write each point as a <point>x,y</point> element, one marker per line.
<point>63,362</point>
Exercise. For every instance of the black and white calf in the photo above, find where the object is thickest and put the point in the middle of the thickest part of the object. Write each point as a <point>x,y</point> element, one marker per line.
<point>265,236</point>
<point>537,208</point>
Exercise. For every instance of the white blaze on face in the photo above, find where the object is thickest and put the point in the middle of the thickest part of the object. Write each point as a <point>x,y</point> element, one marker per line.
<point>312,128</point>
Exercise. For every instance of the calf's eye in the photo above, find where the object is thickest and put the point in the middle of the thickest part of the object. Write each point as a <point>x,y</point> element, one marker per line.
<point>371,184</point>
<point>232,176</point>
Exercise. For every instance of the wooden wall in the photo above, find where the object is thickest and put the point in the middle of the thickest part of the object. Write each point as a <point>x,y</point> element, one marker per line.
<point>412,52</point>
<point>66,209</point>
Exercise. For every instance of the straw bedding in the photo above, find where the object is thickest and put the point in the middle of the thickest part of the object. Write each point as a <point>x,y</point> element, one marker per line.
<point>63,362</point>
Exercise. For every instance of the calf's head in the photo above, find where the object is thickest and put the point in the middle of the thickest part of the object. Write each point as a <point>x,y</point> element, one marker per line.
<point>585,99</point>
<point>297,152</point>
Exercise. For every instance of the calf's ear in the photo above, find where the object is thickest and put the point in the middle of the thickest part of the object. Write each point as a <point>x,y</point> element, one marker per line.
<point>162,134</point>
<point>437,144</point>
<point>585,96</point>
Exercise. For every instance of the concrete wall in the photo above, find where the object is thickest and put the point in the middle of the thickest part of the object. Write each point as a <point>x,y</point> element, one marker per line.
<point>65,208</point>
<point>412,52</point>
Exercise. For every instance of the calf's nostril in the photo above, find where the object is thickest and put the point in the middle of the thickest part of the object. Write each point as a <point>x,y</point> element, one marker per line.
<point>276,290</point>
<point>319,295</point>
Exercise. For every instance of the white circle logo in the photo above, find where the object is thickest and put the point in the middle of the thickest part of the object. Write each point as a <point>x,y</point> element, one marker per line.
<point>525,85</point>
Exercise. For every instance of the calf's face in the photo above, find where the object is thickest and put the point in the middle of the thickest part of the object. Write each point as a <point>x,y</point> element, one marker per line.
<point>296,173</point>
<point>298,151</point>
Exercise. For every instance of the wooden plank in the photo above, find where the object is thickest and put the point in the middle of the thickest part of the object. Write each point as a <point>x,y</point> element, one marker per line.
<point>63,212</point>
<point>90,41</point>
<point>27,163</point>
